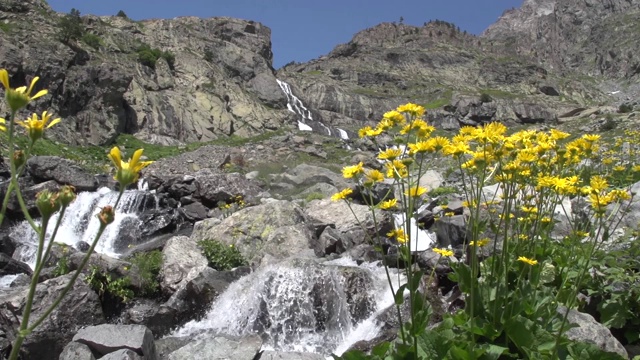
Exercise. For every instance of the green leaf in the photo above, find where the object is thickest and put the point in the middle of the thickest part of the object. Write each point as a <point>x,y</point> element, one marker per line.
<point>352,355</point>
<point>399,296</point>
<point>381,349</point>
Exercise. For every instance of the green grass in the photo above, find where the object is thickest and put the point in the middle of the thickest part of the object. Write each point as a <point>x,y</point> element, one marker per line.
<point>499,94</point>
<point>6,27</point>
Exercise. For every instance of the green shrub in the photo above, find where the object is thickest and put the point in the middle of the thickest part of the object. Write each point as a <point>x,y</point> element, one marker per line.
<point>5,27</point>
<point>92,40</point>
<point>148,265</point>
<point>220,256</point>
<point>442,190</point>
<point>62,266</point>
<point>485,98</point>
<point>314,196</point>
<point>149,56</point>
<point>107,287</point>
<point>70,27</point>
<point>625,108</point>
<point>122,14</point>
<point>208,55</point>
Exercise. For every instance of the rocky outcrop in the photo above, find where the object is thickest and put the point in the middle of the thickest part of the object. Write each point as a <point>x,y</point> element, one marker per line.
<point>107,338</point>
<point>80,307</point>
<point>276,229</point>
<point>63,171</point>
<point>593,37</point>
<point>220,82</point>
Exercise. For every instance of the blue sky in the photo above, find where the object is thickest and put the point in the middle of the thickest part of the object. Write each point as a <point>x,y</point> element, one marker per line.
<point>305,29</point>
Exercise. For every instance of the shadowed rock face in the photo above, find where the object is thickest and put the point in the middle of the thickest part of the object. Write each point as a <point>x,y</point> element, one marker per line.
<point>592,36</point>
<point>221,83</point>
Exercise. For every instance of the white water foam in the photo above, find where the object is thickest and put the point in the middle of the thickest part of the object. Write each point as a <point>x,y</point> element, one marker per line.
<point>421,240</point>
<point>299,305</point>
<point>81,223</point>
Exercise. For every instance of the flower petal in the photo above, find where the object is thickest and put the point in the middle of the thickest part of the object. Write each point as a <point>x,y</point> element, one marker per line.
<point>53,122</point>
<point>116,157</point>
<point>4,78</point>
<point>135,158</point>
<point>33,82</point>
<point>40,93</point>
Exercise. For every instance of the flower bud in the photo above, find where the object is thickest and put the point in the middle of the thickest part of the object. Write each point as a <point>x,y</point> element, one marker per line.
<point>106,215</point>
<point>19,158</point>
<point>67,195</point>
<point>47,203</point>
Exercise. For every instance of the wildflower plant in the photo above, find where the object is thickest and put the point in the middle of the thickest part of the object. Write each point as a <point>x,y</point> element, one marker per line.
<point>515,270</point>
<point>48,202</point>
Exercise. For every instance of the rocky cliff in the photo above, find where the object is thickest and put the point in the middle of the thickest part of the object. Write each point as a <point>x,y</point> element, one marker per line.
<point>462,78</point>
<point>220,80</point>
<point>593,37</point>
<point>210,78</point>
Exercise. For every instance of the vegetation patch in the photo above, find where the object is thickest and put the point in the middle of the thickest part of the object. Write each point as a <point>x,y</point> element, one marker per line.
<point>149,56</point>
<point>148,265</point>
<point>220,256</point>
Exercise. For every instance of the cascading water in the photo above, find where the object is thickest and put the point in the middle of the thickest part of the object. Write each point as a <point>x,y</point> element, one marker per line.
<point>301,305</point>
<point>80,222</point>
<point>306,122</point>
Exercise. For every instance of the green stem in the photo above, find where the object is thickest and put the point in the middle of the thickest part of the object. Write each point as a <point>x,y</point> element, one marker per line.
<point>23,332</point>
<point>53,236</point>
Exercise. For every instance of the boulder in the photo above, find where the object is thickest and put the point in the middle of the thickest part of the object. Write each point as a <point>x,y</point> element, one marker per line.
<point>76,351</point>
<point>451,230</point>
<point>277,228</point>
<point>123,354</point>
<point>213,188</point>
<point>180,255</point>
<point>338,215</point>
<point>62,171</point>
<point>10,266</point>
<point>79,308</point>
<point>108,338</point>
<point>590,331</point>
<point>279,355</point>
<point>219,347</point>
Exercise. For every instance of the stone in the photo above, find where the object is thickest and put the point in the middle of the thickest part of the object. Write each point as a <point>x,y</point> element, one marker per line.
<point>180,255</point>
<point>63,171</point>
<point>80,307</point>
<point>76,351</point>
<point>589,330</point>
<point>107,338</point>
<point>10,266</point>
<point>123,354</point>
<point>194,212</point>
<point>277,228</point>
<point>219,347</point>
<point>280,355</point>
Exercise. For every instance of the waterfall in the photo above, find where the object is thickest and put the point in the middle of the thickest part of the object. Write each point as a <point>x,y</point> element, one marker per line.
<point>80,222</point>
<point>301,305</point>
<point>306,122</point>
<point>421,240</point>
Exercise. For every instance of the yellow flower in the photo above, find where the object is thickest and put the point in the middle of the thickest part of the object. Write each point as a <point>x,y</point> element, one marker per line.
<point>373,176</point>
<point>127,172</point>
<point>527,260</point>
<point>363,132</point>
<point>390,154</point>
<point>399,234</point>
<point>420,147</point>
<point>20,97</point>
<point>413,109</point>
<point>591,137</point>
<point>2,127</point>
<point>479,243</point>
<point>415,191</point>
<point>389,204</point>
<point>35,127</point>
<point>443,252</point>
<point>342,195</point>
<point>598,183</point>
<point>394,116</point>
<point>353,170</point>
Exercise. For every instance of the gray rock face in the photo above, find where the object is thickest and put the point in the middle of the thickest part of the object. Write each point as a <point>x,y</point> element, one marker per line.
<point>338,215</point>
<point>589,330</point>
<point>63,171</point>
<point>76,351</point>
<point>80,307</point>
<point>108,338</point>
<point>122,354</point>
<point>10,266</point>
<point>279,229</point>
<point>221,83</point>
<point>573,34</point>
<point>219,348</point>
<point>180,255</point>
<point>278,355</point>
